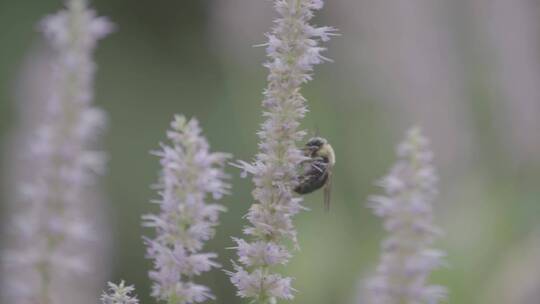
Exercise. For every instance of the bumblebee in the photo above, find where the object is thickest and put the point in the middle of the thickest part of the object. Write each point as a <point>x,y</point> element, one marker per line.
<point>316,171</point>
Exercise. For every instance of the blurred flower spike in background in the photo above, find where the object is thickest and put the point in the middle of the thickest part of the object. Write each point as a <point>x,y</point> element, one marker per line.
<point>53,233</point>
<point>407,259</point>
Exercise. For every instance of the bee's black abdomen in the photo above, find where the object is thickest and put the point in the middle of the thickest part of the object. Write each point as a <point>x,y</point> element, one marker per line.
<point>313,179</point>
<point>312,184</point>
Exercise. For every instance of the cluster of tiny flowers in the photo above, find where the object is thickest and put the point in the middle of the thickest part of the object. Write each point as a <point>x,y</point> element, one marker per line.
<point>119,294</point>
<point>190,173</point>
<point>293,49</point>
<point>51,230</point>
<point>408,259</point>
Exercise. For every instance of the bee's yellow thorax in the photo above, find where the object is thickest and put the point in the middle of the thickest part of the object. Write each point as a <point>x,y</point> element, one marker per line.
<point>327,151</point>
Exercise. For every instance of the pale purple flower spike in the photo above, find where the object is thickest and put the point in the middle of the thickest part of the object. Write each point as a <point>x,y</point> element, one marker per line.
<point>190,173</point>
<point>406,208</point>
<point>293,49</point>
<point>119,294</point>
<point>51,231</point>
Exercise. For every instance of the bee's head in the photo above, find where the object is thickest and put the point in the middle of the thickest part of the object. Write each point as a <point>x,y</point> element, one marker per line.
<point>314,144</point>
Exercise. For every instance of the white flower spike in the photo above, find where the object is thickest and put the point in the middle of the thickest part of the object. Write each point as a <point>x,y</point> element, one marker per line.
<point>190,176</point>
<point>292,49</point>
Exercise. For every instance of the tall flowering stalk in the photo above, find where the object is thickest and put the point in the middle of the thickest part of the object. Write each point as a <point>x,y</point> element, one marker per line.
<point>190,173</point>
<point>51,232</point>
<point>293,49</point>
<point>406,208</point>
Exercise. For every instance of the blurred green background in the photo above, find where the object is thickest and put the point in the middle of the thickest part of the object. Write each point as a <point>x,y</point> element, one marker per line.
<point>468,81</point>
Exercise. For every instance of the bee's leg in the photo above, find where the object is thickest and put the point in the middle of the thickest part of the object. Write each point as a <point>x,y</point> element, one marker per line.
<point>319,164</point>
<point>317,167</point>
<point>327,191</point>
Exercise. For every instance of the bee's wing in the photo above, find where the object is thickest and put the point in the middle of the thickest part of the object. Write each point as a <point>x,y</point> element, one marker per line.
<point>327,191</point>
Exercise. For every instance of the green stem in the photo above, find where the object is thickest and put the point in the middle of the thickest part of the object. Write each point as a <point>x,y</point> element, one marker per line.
<point>45,283</point>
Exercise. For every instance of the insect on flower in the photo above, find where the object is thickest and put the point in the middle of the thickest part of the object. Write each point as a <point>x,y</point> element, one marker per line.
<point>316,171</point>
